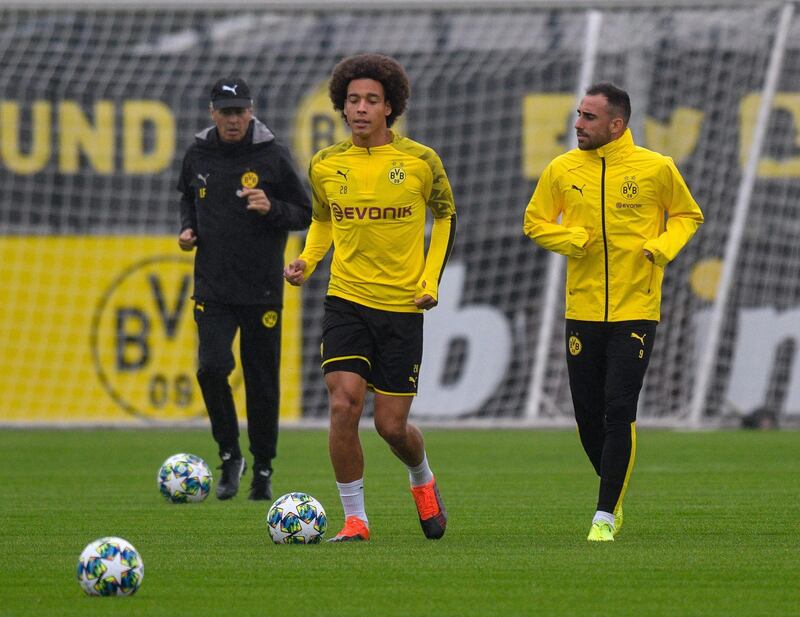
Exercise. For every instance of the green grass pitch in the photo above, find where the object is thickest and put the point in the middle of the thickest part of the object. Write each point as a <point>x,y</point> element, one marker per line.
<point>711,528</point>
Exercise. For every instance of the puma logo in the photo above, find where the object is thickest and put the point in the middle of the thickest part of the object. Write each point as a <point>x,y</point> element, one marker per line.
<point>580,190</point>
<point>414,381</point>
<point>639,338</point>
<point>203,179</point>
<point>343,174</point>
<point>231,89</point>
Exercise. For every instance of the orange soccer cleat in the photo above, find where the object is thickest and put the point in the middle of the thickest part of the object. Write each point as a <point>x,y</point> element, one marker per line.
<point>354,530</point>
<point>432,515</point>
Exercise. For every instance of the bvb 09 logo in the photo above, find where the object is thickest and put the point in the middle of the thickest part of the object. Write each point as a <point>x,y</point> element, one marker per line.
<point>575,345</point>
<point>249,179</point>
<point>144,341</point>
<point>397,175</point>
<point>269,319</point>
<point>629,188</point>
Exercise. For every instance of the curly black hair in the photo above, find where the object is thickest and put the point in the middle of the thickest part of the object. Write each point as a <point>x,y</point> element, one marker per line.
<point>381,68</point>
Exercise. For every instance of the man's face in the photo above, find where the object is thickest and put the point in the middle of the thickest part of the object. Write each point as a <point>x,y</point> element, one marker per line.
<point>595,126</point>
<point>232,122</point>
<point>366,109</point>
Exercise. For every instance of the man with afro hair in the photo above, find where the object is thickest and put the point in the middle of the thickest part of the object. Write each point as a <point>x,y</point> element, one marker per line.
<point>370,197</point>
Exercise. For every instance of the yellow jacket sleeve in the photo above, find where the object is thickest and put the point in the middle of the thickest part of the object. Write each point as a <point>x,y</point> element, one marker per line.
<point>541,221</point>
<point>683,217</point>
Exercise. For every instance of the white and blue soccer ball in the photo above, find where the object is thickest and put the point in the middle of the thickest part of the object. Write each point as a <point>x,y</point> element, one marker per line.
<point>296,518</point>
<point>184,478</point>
<point>110,566</point>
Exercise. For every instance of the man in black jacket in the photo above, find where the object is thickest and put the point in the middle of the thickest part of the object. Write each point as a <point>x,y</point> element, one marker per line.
<point>240,196</point>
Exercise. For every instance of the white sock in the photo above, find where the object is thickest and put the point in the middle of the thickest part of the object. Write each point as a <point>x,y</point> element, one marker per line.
<point>421,474</point>
<point>603,516</point>
<point>352,496</point>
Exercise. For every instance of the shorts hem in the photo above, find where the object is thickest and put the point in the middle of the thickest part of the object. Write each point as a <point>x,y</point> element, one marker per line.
<point>386,392</point>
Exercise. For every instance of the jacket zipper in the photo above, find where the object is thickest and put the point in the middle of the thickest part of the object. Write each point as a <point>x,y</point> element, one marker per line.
<point>603,219</point>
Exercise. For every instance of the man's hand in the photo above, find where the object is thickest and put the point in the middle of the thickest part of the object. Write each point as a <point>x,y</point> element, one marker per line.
<point>294,272</point>
<point>257,200</point>
<point>425,302</point>
<point>649,256</point>
<point>187,240</point>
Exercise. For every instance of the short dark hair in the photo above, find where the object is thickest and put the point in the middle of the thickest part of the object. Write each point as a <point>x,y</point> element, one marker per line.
<point>618,100</point>
<point>381,68</point>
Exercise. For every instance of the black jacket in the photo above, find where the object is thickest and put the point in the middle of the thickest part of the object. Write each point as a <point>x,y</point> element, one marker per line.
<point>239,257</point>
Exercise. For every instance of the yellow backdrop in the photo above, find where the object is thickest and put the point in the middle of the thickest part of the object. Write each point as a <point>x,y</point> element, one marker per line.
<point>101,330</point>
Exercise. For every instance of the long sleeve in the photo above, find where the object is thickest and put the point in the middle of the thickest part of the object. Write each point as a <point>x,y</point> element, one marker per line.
<point>684,217</point>
<point>443,235</point>
<point>442,205</point>
<point>188,210</point>
<point>318,241</point>
<point>541,221</point>
<point>320,233</point>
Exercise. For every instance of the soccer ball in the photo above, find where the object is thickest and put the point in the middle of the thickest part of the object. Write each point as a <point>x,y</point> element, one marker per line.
<point>184,477</point>
<point>296,518</point>
<point>110,567</point>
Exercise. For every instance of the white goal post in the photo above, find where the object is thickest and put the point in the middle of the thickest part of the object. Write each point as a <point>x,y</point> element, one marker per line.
<point>98,101</point>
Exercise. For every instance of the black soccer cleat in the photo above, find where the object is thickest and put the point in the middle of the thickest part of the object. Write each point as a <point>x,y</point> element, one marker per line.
<point>431,510</point>
<point>261,485</point>
<point>232,471</point>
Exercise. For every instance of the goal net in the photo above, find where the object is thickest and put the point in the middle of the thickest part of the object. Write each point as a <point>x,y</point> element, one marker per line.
<point>98,105</point>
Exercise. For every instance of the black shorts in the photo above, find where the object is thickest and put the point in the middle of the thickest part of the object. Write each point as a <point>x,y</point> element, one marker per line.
<point>384,347</point>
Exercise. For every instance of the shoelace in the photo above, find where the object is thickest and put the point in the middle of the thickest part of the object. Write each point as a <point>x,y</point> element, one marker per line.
<point>427,504</point>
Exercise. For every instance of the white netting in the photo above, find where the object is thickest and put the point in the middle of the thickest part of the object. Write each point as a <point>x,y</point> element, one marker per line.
<point>97,107</point>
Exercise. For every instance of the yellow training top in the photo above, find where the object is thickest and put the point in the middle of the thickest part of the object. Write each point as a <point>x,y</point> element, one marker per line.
<point>370,203</point>
<point>616,202</point>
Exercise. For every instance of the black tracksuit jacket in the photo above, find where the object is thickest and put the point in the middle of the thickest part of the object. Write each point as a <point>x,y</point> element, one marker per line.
<point>240,253</point>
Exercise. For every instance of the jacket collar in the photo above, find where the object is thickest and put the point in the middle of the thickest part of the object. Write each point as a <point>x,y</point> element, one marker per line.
<point>395,138</point>
<point>257,133</point>
<point>618,149</point>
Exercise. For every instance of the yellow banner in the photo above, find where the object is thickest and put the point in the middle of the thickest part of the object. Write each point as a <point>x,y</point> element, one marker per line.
<point>101,329</point>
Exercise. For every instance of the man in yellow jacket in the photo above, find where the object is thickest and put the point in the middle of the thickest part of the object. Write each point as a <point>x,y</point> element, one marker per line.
<point>625,213</point>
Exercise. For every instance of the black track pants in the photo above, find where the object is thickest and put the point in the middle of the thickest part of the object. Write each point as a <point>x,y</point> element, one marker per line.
<point>259,347</point>
<point>607,362</point>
